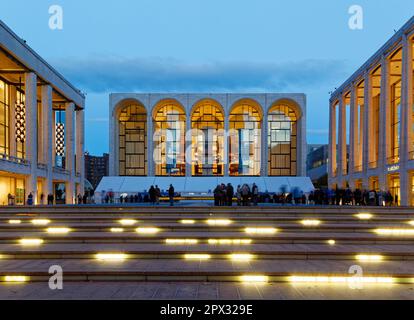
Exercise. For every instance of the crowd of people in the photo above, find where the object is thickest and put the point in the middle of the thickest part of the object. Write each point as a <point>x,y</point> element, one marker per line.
<point>224,194</point>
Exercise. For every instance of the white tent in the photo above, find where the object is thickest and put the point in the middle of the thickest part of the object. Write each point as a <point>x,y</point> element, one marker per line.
<point>197,186</point>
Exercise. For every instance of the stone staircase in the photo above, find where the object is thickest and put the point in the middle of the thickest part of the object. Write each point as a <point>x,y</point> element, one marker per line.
<point>180,244</point>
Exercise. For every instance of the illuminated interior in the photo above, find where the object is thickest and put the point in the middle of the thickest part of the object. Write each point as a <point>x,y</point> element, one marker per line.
<point>245,139</point>
<point>133,141</point>
<point>359,123</point>
<point>282,140</point>
<point>169,139</point>
<point>375,111</point>
<point>207,124</point>
<point>395,76</point>
<point>347,104</point>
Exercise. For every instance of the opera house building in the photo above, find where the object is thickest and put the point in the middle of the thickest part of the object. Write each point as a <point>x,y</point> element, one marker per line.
<point>196,141</point>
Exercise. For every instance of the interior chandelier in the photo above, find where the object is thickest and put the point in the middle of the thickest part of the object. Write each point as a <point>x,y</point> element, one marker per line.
<point>20,118</point>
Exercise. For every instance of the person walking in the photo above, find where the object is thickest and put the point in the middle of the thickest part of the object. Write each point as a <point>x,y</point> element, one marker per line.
<point>171,195</point>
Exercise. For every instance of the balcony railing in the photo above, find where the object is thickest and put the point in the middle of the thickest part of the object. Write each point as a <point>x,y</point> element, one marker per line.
<point>6,157</point>
<point>60,170</point>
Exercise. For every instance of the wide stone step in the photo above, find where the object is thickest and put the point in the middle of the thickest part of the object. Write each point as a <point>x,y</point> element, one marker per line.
<point>205,271</point>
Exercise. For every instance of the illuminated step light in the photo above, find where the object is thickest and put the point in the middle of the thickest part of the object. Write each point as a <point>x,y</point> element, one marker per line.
<point>15,278</point>
<point>187,221</point>
<point>310,222</point>
<point>219,222</point>
<point>31,242</point>
<point>58,230</point>
<point>331,242</point>
<point>364,216</point>
<point>15,221</point>
<point>369,257</point>
<point>241,257</point>
<point>229,241</point>
<point>334,279</point>
<point>197,256</point>
<point>411,222</point>
<point>127,222</point>
<point>117,230</point>
<point>111,256</point>
<point>395,232</point>
<point>147,230</point>
<point>254,278</point>
<point>40,222</point>
<point>261,230</point>
<point>181,241</point>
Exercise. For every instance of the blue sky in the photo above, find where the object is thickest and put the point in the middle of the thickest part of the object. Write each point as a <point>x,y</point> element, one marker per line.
<point>205,46</point>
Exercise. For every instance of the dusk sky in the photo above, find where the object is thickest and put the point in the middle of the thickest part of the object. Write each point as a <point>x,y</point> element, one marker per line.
<point>205,46</point>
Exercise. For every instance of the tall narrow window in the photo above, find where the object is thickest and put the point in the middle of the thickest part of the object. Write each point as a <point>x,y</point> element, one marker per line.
<point>169,139</point>
<point>245,139</point>
<point>133,141</point>
<point>4,118</point>
<point>376,102</point>
<point>207,124</point>
<point>347,103</point>
<point>395,74</point>
<point>359,123</point>
<point>282,141</point>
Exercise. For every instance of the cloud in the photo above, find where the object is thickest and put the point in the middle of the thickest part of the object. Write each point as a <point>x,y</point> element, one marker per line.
<point>115,74</point>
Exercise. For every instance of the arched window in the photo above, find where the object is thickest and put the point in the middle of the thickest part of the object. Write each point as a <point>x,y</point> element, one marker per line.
<point>245,139</point>
<point>169,139</point>
<point>133,141</point>
<point>282,142</point>
<point>207,124</point>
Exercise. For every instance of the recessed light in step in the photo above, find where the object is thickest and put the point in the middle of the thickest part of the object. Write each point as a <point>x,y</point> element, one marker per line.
<point>111,257</point>
<point>15,221</point>
<point>16,279</point>
<point>117,230</point>
<point>181,241</point>
<point>219,222</point>
<point>147,230</point>
<point>394,232</point>
<point>369,257</point>
<point>264,230</point>
<point>187,221</point>
<point>40,222</point>
<point>364,216</point>
<point>31,242</point>
<point>229,241</point>
<point>241,257</point>
<point>310,222</point>
<point>127,222</point>
<point>58,230</point>
<point>336,279</point>
<point>331,242</point>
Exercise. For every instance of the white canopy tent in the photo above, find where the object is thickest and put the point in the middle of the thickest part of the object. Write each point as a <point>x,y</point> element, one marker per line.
<point>197,186</point>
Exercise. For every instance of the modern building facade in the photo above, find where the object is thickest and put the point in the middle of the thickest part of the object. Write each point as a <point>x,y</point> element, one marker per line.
<point>317,164</point>
<point>373,113</point>
<point>207,135</point>
<point>41,127</point>
<point>96,167</point>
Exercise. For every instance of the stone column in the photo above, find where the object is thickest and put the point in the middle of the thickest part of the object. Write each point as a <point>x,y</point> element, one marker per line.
<point>367,125</point>
<point>384,131</point>
<point>31,132</point>
<point>353,132</point>
<point>404,123</point>
<point>342,137</point>
<point>80,148</point>
<point>70,151</point>
<point>150,143</point>
<point>48,131</point>
<point>332,140</point>
<point>264,171</point>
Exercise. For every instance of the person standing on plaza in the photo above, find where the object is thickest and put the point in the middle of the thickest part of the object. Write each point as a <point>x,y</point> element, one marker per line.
<point>152,195</point>
<point>255,194</point>
<point>157,195</point>
<point>171,195</point>
<point>230,194</point>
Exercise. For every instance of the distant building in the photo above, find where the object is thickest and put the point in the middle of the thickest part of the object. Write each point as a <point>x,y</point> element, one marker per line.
<point>96,167</point>
<point>317,164</point>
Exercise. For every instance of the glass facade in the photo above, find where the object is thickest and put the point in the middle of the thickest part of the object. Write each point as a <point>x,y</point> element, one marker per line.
<point>282,142</point>
<point>207,134</point>
<point>169,139</point>
<point>395,106</point>
<point>376,102</point>
<point>245,140</point>
<point>359,123</point>
<point>4,118</point>
<point>133,141</point>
